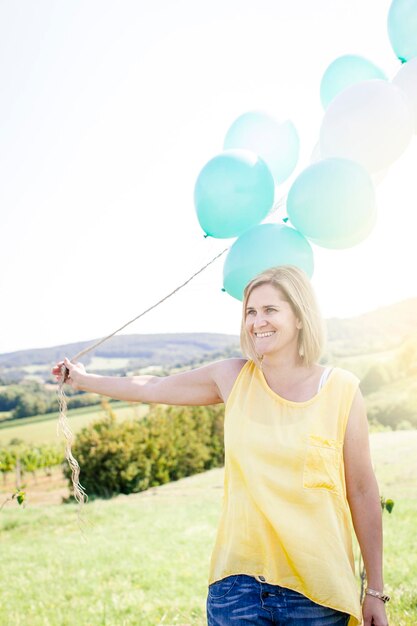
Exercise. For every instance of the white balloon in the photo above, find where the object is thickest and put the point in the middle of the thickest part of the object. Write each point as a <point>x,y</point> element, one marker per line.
<point>378,177</point>
<point>370,122</point>
<point>316,154</point>
<point>406,79</point>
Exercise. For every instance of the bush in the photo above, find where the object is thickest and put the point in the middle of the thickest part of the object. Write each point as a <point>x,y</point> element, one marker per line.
<point>111,456</point>
<point>392,411</point>
<point>131,456</point>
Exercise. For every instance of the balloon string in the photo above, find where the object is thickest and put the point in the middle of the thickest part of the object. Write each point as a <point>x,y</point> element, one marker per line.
<point>80,354</point>
<point>79,492</point>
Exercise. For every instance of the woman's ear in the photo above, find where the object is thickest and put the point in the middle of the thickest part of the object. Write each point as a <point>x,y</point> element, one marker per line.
<point>299,324</point>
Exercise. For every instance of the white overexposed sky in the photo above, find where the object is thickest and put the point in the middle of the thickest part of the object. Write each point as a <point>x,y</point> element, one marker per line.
<point>109,110</point>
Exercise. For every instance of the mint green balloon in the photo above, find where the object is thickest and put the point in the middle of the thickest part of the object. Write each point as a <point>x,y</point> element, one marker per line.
<point>277,143</point>
<point>345,71</point>
<point>332,202</point>
<point>233,192</point>
<point>402,28</point>
<point>262,247</point>
<point>350,240</point>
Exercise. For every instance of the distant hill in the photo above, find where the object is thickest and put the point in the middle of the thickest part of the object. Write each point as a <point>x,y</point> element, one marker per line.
<point>375,331</point>
<point>380,347</point>
<point>355,342</point>
<point>124,353</point>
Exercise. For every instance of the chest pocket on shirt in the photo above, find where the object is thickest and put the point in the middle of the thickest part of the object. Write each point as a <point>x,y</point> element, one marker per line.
<point>322,463</point>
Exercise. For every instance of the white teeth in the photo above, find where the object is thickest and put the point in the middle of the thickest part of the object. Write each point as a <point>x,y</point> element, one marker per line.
<point>265,334</point>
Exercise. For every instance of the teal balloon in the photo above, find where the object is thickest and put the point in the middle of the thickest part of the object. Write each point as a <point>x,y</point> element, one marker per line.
<point>277,143</point>
<point>262,247</point>
<point>333,203</point>
<point>345,71</point>
<point>348,241</point>
<point>233,192</point>
<point>402,28</point>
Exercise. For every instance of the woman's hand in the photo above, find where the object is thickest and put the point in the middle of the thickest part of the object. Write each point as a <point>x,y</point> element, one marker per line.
<point>373,610</point>
<point>74,376</point>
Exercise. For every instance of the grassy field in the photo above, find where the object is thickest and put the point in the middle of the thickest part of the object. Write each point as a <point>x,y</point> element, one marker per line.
<point>143,559</point>
<point>43,428</point>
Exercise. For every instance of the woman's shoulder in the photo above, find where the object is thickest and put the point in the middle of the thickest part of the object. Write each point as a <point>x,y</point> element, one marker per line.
<point>345,375</point>
<point>231,367</point>
<point>227,372</point>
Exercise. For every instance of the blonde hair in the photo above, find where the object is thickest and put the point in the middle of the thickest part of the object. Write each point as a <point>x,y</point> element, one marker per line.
<point>297,290</point>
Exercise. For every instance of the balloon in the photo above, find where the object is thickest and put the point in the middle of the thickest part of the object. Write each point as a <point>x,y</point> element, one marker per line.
<point>406,79</point>
<point>402,28</point>
<point>377,177</point>
<point>277,143</point>
<point>345,71</point>
<point>333,203</point>
<point>262,247</point>
<point>369,122</point>
<point>234,191</point>
<point>350,240</point>
<point>315,154</point>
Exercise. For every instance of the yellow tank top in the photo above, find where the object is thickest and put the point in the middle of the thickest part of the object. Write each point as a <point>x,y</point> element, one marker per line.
<point>285,514</point>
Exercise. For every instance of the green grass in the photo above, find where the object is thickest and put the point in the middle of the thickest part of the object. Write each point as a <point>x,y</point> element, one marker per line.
<point>42,428</point>
<point>143,559</point>
<point>394,456</point>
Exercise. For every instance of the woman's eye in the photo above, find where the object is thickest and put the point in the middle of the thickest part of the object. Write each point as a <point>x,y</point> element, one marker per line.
<point>271,310</point>
<point>250,312</point>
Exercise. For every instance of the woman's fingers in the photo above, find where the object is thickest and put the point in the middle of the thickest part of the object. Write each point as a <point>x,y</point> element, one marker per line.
<point>70,370</point>
<point>57,370</point>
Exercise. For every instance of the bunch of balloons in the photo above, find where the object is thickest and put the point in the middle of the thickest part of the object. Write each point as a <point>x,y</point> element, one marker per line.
<point>368,123</point>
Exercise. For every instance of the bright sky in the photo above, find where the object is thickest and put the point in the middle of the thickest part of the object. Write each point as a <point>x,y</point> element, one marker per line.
<point>109,110</point>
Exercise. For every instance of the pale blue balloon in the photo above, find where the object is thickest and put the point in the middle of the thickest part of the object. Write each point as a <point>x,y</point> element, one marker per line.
<point>350,240</point>
<point>345,71</point>
<point>402,28</point>
<point>262,247</point>
<point>277,143</point>
<point>233,192</point>
<point>333,203</point>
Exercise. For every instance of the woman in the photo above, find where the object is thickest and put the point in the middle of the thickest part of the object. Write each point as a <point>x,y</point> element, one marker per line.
<point>297,467</point>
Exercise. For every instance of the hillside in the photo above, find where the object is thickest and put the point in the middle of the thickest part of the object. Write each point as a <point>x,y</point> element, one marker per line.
<point>374,332</point>
<point>380,347</point>
<point>101,577</point>
<point>123,354</point>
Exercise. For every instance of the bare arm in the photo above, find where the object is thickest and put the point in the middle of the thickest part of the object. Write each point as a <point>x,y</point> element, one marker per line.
<point>364,502</point>
<point>205,385</point>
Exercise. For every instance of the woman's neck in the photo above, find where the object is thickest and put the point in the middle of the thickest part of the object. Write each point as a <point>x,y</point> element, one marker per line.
<point>282,362</point>
<point>285,368</point>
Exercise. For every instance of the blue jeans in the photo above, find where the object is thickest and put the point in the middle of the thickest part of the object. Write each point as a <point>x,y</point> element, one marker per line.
<point>242,600</point>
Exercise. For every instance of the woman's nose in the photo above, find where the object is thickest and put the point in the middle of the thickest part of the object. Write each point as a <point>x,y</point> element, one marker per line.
<point>259,320</point>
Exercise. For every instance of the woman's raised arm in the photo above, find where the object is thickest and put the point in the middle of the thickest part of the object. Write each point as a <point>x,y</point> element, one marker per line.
<point>205,385</point>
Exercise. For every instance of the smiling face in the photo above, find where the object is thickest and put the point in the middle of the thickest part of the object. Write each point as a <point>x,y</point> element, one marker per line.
<point>293,297</point>
<point>270,321</point>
